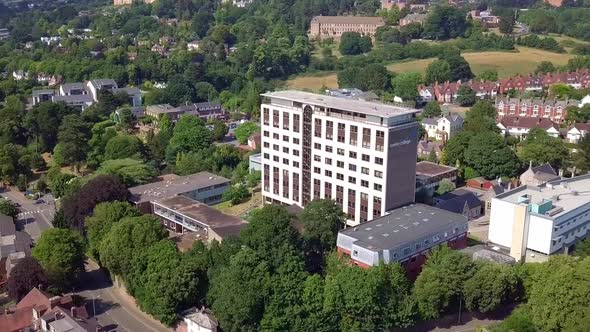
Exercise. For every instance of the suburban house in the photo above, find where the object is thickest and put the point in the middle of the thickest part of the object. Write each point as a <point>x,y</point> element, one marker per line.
<point>197,320</point>
<point>577,131</point>
<point>254,141</point>
<point>40,311</point>
<point>204,187</point>
<point>538,175</point>
<point>405,235</point>
<point>520,126</point>
<point>193,46</point>
<point>425,149</point>
<point>444,127</point>
<point>334,26</point>
<point>534,222</point>
<point>83,95</point>
<point>426,93</point>
<point>14,246</point>
<point>485,17</point>
<point>554,110</point>
<point>460,201</point>
<point>412,18</point>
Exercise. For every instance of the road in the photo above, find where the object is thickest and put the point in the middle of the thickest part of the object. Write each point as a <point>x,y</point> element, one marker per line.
<point>34,218</point>
<point>114,310</point>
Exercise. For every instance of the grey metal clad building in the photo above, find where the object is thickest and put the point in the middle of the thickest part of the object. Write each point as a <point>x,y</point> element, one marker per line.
<point>402,234</point>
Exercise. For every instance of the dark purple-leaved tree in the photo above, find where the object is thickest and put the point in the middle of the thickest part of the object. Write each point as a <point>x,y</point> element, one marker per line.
<point>25,275</point>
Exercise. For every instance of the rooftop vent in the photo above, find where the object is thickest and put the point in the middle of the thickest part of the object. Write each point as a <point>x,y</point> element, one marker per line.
<point>385,234</point>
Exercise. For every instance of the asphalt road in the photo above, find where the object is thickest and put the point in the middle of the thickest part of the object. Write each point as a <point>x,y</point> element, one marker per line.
<point>112,309</point>
<point>33,218</point>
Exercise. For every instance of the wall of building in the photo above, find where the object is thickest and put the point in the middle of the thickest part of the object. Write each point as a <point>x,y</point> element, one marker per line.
<point>501,222</point>
<point>209,195</point>
<point>402,145</point>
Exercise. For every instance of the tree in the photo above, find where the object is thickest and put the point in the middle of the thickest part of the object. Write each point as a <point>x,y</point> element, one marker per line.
<point>132,172</point>
<point>127,120</point>
<point>431,110</point>
<point>545,67</point>
<point>506,24</point>
<point>219,130</point>
<point>405,86</point>
<point>237,194</point>
<point>103,188</point>
<point>73,137</point>
<point>441,281</point>
<point>58,184</point>
<point>491,286</point>
<point>583,247</point>
<point>445,22</point>
<point>43,121</point>
<point>269,232</point>
<point>481,118</point>
<point>190,135</point>
<point>445,186</point>
<point>164,284</point>
<point>123,146</point>
<point>322,219</point>
<point>489,155</point>
<point>438,71</point>
<point>103,217</point>
<point>61,254</point>
<point>245,130</point>
<point>455,148</point>
<point>24,276</point>
<point>373,77</point>
<point>466,96</point>
<point>238,291</point>
<point>8,208</point>
<point>488,75</point>
<point>560,90</point>
<point>563,282</point>
<point>540,148</point>
<point>352,43</point>
<point>460,69</point>
<point>127,240</point>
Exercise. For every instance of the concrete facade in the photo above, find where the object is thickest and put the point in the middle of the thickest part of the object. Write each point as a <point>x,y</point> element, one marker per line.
<point>334,26</point>
<point>362,154</point>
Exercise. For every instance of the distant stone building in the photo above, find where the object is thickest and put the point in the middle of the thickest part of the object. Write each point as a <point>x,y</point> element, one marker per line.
<point>412,18</point>
<point>334,26</point>
<point>538,175</point>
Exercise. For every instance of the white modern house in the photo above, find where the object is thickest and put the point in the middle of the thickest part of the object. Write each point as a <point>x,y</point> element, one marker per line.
<point>577,131</point>
<point>443,128</point>
<point>534,222</point>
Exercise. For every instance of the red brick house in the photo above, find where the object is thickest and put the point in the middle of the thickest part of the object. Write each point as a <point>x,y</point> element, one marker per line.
<point>554,110</point>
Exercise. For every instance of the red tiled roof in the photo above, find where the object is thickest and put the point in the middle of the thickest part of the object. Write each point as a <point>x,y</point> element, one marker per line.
<point>35,298</point>
<point>17,320</point>
<point>527,122</point>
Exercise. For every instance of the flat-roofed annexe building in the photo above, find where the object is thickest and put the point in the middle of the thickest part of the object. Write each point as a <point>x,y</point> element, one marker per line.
<point>334,26</point>
<point>405,235</point>
<point>361,154</point>
<point>541,220</point>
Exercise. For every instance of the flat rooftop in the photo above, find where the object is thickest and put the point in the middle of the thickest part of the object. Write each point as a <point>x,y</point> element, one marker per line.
<point>202,213</point>
<point>175,186</point>
<point>428,168</point>
<point>402,225</point>
<point>351,105</point>
<point>567,194</point>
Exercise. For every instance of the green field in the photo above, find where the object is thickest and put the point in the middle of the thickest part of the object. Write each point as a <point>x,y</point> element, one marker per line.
<point>523,62</point>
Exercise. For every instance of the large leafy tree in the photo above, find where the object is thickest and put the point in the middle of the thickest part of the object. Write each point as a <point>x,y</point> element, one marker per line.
<point>73,137</point>
<point>103,188</point>
<point>322,219</point>
<point>481,117</point>
<point>455,148</point>
<point>8,208</point>
<point>132,172</point>
<point>491,286</point>
<point>564,282</point>
<point>24,276</point>
<point>238,291</point>
<point>466,96</point>
<point>244,131</point>
<point>541,148</point>
<point>489,155</point>
<point>432,109</point>
<point>43,122</point>
<point>61,254</point>
<point>103,217</point>
<point>370,77</point>
<point>352,43</point>
<point>405,86</point>
<point>163,283</point>
<point>445,22</point>
<point>460,69</point>
<point>123,146</point>
<point>127,240</point>
<point>442,281</point>
<point>190,135</point>
<point>438,71</point>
